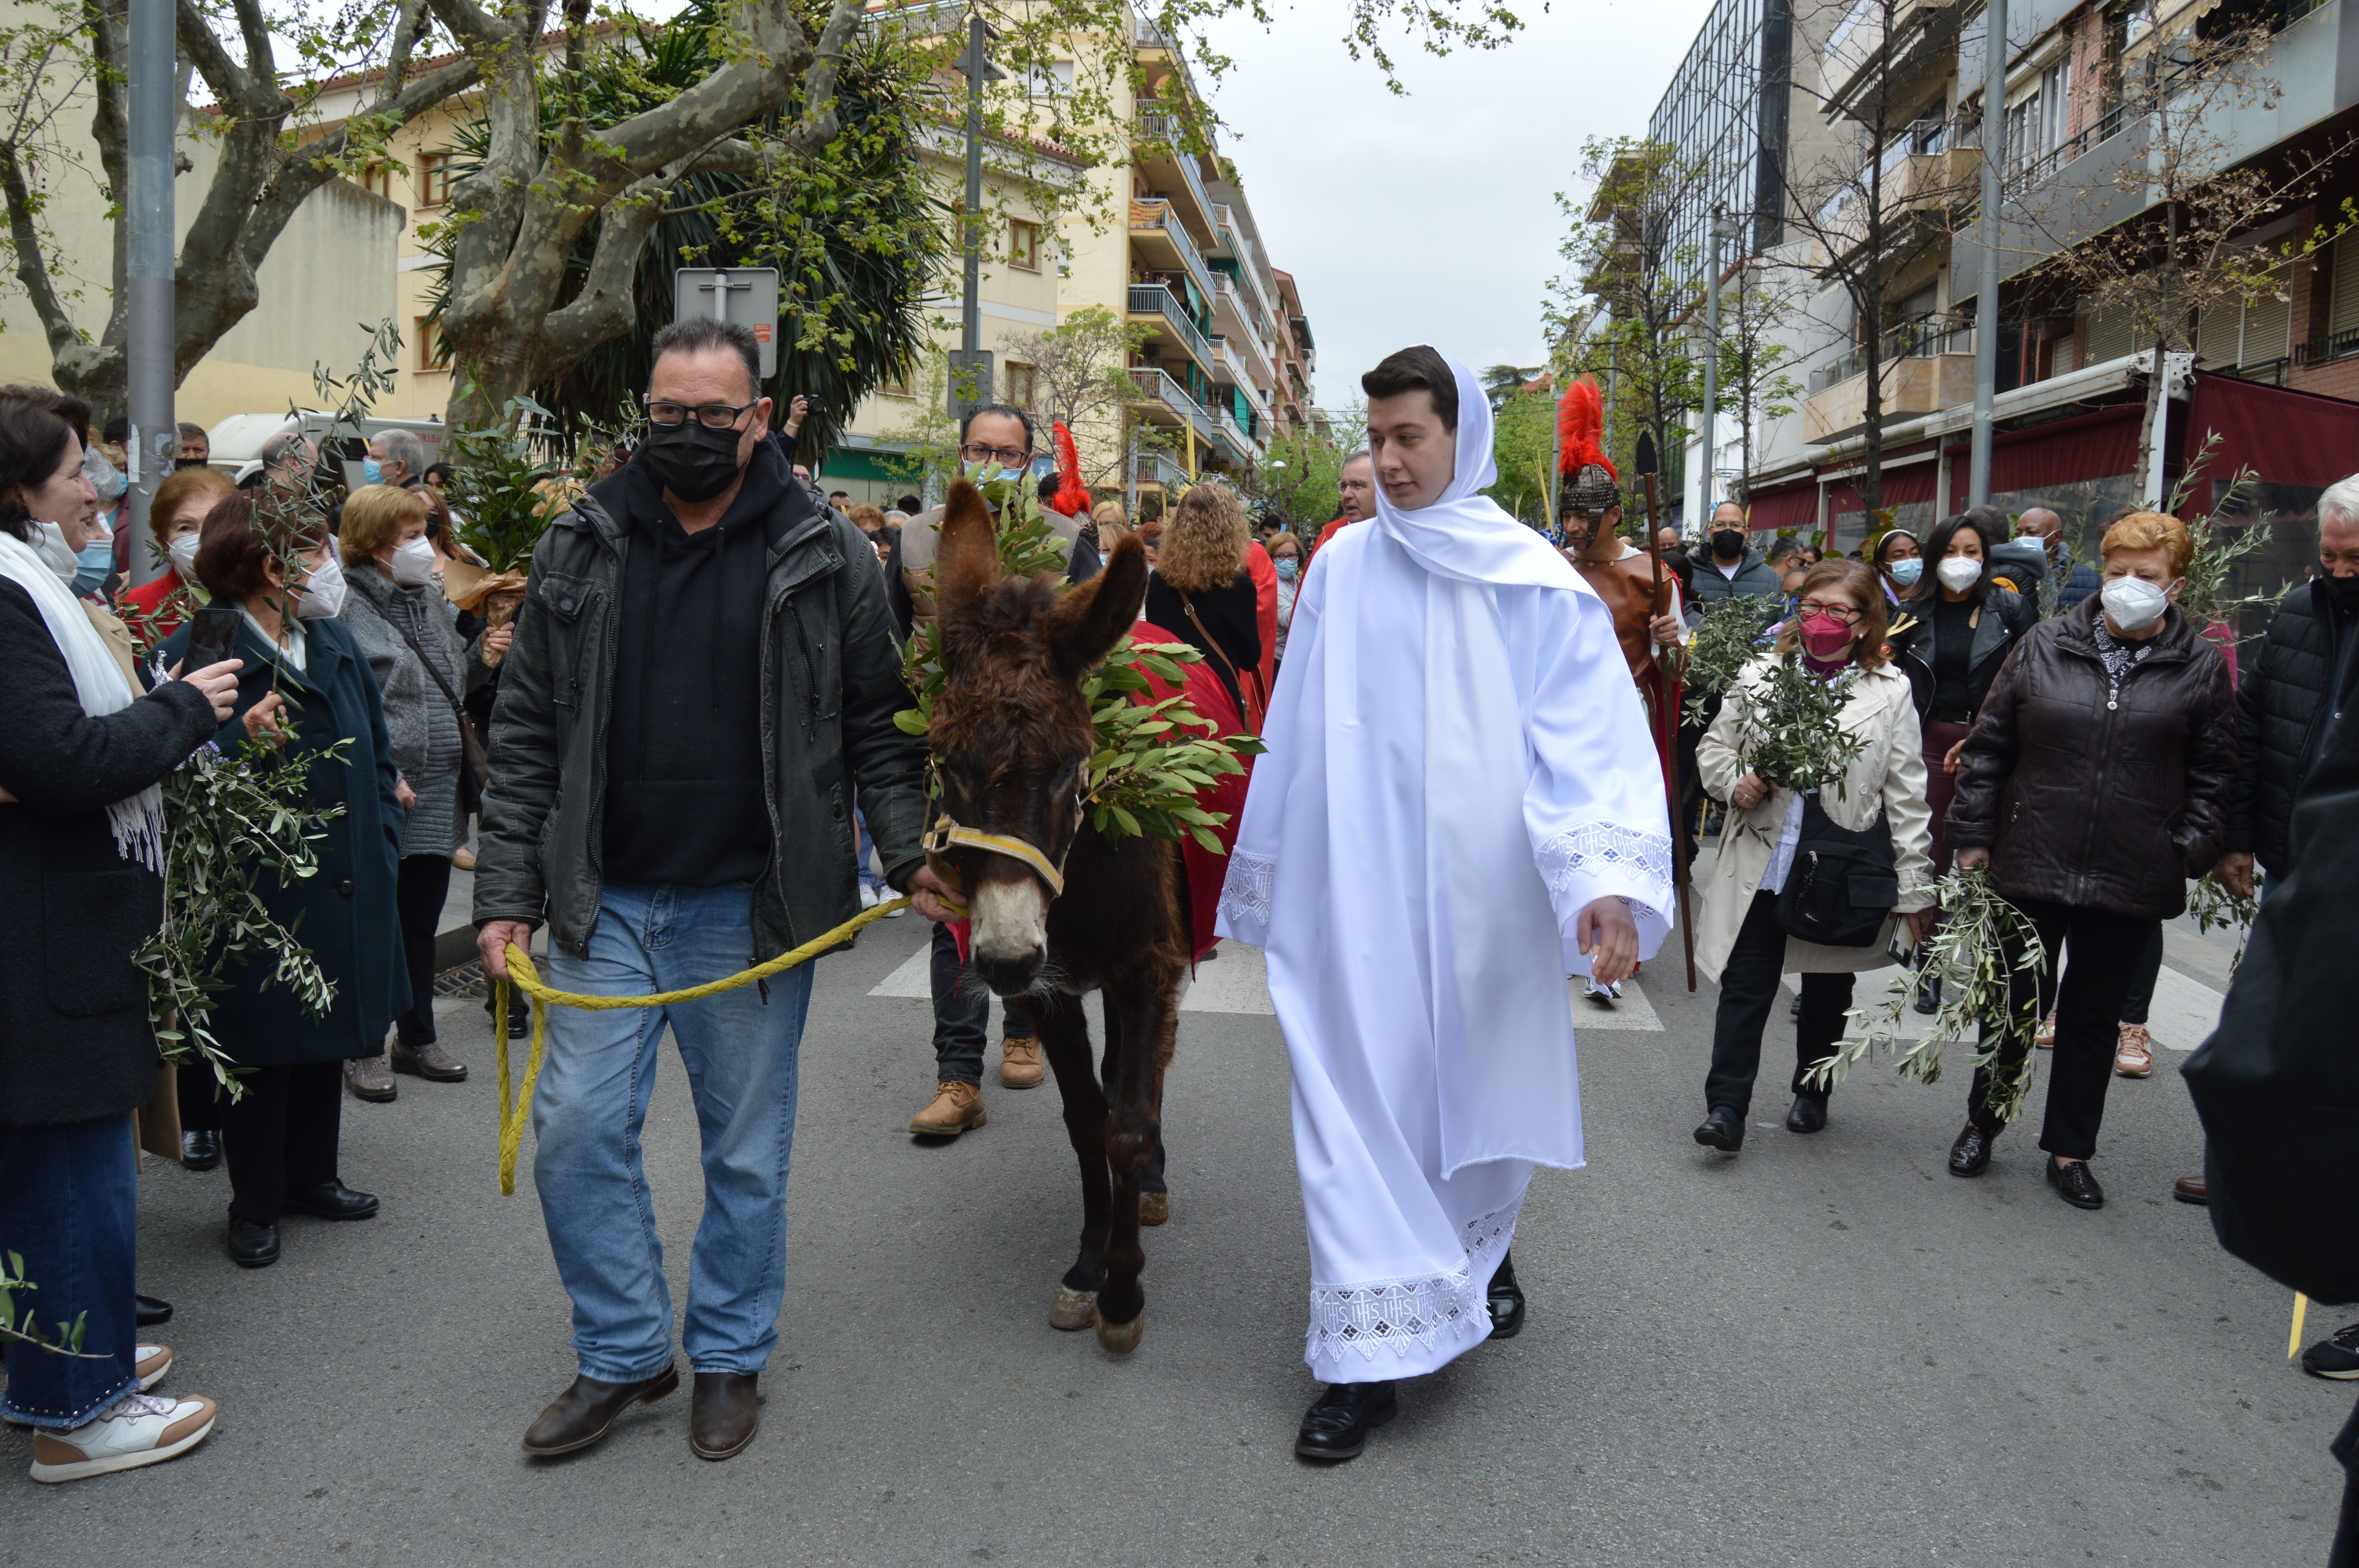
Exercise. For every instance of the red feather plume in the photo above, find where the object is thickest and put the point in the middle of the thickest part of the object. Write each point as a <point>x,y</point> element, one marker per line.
<point>1580,428</point>
<point>1072,496</point>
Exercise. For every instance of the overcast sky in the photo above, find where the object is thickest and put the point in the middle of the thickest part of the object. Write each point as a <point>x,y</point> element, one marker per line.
<point>1432,217</point>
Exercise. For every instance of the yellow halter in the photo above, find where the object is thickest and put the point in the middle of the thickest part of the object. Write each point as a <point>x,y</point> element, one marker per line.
<point>945,833</point>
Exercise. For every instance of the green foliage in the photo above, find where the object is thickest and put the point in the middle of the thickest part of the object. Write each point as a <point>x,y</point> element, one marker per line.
<point>25,1328</point>
<point>1523,444</point>
<point>1150,758</point>
<point>1789,726</point>
<point>1722,645</point>
<point>229,825</point>
<point>1969,956</point>
<point>496,472</point>
<point>2223,537</point>
<point>1300,480</point>
<point>2215,908</point>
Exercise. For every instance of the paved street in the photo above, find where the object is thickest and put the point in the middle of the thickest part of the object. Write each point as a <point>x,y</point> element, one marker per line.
<point>1826,1351</point>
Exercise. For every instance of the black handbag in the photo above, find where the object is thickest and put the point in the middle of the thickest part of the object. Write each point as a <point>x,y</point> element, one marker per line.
<point>1842,887</point>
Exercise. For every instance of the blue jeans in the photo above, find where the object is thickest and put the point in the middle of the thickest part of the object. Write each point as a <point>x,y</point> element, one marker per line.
<point>873,880</point>
<point>70,1203</point>
<point>740,1049</point>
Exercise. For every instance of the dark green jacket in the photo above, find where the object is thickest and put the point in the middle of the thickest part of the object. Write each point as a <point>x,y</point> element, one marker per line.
<point>344,912</point>
<point>831,672</point>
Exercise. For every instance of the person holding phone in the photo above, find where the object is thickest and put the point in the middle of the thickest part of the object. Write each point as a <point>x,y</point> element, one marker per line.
<point>82,758</point>
<point>305,686</point>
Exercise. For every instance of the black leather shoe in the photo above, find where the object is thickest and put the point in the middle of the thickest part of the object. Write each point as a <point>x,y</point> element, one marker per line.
<point>1807,1115</point>
<point>201,1150</point>
<point>149,1311</point>
<point>252,1246</point>
<point>1337,1426</point>
<point>1929,995</point>
<point>1794,1008</point>
<point>586,1411</point>
<point>1723,1130</point>
<point>332,1200</point>
<point>1505,1300</point>
<point>722,1413</point>
<point>1970,1156</point>
<point>2075,1185</point>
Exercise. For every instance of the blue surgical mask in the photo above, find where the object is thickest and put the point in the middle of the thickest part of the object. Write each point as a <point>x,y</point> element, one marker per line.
<point>1287,567</point>
<point>372,471</point>
<point>92,566</point>
<point>1905,572</point>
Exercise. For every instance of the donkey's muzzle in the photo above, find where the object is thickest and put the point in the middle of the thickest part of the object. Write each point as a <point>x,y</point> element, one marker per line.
<point>1011,934</point>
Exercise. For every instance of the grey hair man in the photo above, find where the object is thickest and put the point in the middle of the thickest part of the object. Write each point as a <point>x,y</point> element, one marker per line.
<point>1355,496</point>
<point>395,457</point>
<point>698,680</point>
<point>286,460</point>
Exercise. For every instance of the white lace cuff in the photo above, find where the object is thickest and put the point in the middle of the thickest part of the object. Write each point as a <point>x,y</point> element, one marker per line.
<point>1599,858</point>
<point>1402,1316</point>
<point>1246,895</point>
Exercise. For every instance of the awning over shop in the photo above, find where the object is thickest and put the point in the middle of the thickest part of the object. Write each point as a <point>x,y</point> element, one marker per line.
<point>2287,437</point>
<point>1902,486</point>
<point>1784,508</point>
<point>2088,446</point>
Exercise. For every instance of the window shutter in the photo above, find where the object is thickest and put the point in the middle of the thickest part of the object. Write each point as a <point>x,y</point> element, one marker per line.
<point>2343,297</point>
<point>2268,325</point>
<point>2109,333</point>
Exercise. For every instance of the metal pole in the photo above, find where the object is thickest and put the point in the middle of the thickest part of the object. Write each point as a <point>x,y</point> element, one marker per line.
<point>148,216</point>
<point>1712,371</point>
<point>1986,289</point>
<point>971,312</point>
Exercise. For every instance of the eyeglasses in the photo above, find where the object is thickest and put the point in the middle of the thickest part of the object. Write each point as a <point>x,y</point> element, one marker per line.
<point>711,416</point>
<point>1007,457</point>
<point>1848,614</point>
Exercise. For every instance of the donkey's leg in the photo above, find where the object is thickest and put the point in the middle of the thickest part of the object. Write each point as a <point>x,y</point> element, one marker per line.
<point>1065,1040</point>
<point>1148,1021</point>
<point>1154,1195</point>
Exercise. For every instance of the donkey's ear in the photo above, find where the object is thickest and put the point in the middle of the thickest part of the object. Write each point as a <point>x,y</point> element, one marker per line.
<point>966,559</point>
<point>1090,620</point>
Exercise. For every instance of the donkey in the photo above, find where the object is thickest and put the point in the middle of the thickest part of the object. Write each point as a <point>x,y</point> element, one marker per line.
<point>1012,738</point>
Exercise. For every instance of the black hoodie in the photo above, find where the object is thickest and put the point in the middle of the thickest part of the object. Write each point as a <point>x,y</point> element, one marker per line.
<point>684,801</point>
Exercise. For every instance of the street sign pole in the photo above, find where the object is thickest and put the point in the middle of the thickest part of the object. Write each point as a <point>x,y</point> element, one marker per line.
<point>1987,287</point>
<point>149,369</point>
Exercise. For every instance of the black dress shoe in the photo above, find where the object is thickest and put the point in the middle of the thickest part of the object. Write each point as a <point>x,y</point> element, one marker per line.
<point>1723,1130</point>
<point>149,1311</point>
<point>1970,1156</point>
<point>1807,1115</point>
<point>586,1411</point>
<point>1929,995</point>
<point>2075,1185</point>
<point>252,1246</point>
<point>332,1200</point>
<point>201,1150</point>
<point>1337,1426</point>
<point>1505,1300</point>
<point>722,1413</point>
<point>1794,1008</point>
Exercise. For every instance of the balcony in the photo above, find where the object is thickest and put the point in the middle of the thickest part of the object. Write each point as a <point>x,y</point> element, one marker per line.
<point>1159,242</point>
<point>1166,401</point>
<point>1169,166</point>
<point>1156,469</point>
<point>1928,366</point>
<point>1936,183</point>
<point>1229,366</point>
<point>1155,308</point>
<point>1233,318</point>
<point>1861,62</point>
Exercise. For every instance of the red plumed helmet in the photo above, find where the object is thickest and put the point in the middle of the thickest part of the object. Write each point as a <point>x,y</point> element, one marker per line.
<point>1580,430</point>
<point>1072,496</point>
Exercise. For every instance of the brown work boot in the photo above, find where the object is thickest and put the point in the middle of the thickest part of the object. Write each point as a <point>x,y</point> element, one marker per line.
<point>430,1062</point>
<point>722,1413</point>
<point>956,1108</point>
<point>1019,1064</point>
<point>585,1412</point>
<point>370,1078</point>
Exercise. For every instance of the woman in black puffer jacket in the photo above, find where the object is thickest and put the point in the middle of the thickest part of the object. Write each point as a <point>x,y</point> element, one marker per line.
<point>81,757</point>
<point>2096,783</point>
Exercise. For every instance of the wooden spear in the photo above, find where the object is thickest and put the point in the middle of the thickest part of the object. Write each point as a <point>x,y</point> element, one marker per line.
<point>1666,721</point>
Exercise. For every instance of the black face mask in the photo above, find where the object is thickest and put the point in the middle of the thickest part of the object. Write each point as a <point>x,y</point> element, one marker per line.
<point>2344,591</point>
<point>692,462</point>
<point>188,462</point>
<point>1727,543</point>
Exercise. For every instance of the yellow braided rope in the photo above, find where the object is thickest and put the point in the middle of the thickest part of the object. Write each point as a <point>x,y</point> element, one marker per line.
<point>528,979</point>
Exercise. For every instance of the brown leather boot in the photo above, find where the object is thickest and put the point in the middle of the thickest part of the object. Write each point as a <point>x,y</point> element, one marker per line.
<point>370,1078</point>
<point>585,1412</point>
<point>722,1413</point>
<point>1020,1067</point>
<point>430,1062</point>
<point>956,1108</point>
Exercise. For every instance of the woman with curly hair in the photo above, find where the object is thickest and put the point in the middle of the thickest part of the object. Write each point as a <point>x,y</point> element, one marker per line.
<point>1201,592</point>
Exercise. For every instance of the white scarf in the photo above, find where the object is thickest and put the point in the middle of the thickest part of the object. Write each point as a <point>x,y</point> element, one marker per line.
<point>99,682</point>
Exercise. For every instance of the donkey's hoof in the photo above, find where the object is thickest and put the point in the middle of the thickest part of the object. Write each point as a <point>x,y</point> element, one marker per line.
<point>1074,1309</point>
<point>1154,1208</point>
<point>1121,1338</point>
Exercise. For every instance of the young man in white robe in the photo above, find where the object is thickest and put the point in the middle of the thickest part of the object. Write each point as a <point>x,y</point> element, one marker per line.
<point>1459,808</point>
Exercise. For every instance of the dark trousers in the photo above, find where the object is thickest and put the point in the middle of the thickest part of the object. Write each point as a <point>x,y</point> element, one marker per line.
<point>418,896</point>
<point>963,1015</point>
<point>1748,989</point>
<point>2139,1002</point>
<point>2087,996</point>
<point>70,1205</point>
<point>1940,787</point>
<point>2346,1533</point>
<point>281,1134</point>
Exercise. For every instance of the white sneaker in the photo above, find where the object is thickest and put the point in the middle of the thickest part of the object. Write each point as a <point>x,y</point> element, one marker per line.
<point>137,1429</point>
<point>153,1361</point>
<point>1605,995</point>
<point>867,896</point>
<point>887,897</point>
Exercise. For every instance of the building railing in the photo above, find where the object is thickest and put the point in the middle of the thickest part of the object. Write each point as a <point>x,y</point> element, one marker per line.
<point>1226,286</point>
<point>1155,299</point>
<point>2327,346</point>
<point>1163,127</point>
<point>1156,213</point>
<point>1158,385</point>
<point>1155,468</point>
<point>1925,336</point>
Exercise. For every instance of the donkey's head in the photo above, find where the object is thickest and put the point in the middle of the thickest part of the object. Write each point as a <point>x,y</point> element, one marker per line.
<point>1011,729</point>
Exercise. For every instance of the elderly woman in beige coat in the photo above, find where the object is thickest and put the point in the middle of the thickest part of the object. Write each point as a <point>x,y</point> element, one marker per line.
<point>1838,628</point>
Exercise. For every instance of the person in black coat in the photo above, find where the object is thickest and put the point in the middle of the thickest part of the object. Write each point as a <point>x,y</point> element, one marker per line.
<point>81,760</point>
<point>1201,592</point>
<point>308,683</point>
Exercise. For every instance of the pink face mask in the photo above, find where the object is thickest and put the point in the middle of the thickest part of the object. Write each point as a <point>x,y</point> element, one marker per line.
<point>1824,637</point>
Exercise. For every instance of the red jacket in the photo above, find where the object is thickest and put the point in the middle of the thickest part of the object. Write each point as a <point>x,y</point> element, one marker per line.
<point>1330,531</point>
<point>1263,572</point>
<point>136,604</point>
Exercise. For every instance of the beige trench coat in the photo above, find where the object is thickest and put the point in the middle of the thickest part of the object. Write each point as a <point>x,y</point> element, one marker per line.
<point>1890,773</point>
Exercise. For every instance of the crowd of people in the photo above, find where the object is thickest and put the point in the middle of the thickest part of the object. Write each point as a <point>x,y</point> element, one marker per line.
<point>2059,723</point>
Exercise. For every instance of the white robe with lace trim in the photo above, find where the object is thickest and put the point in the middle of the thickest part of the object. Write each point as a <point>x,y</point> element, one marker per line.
<point>1455,769</point>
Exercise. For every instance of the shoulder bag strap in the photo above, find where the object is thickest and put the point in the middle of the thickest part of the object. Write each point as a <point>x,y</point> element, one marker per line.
<point>1188,605</point>
<point>470,745</point>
